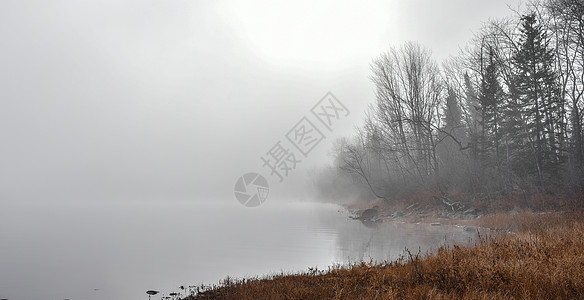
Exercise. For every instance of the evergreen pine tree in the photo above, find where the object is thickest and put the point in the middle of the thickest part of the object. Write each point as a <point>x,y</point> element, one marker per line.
<point>539,107</point>
<point>490,100</point>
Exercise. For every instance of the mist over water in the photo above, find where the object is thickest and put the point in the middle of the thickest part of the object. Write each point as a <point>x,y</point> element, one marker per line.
<point>125,125</point>
<point>119,251</point>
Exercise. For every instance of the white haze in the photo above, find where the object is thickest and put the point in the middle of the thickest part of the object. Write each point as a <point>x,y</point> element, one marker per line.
<point>174,100</point>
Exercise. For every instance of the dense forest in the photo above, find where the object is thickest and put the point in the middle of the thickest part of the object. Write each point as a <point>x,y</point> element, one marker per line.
<point>503,117</point>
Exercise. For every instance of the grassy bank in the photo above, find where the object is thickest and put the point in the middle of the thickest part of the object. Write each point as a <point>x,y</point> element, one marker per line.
<point>542,259</point>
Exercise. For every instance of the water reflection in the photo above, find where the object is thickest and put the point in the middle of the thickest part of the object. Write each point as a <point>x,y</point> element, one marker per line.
<point>371,224</point>
<point>65,251</point>
<point>387,241</point>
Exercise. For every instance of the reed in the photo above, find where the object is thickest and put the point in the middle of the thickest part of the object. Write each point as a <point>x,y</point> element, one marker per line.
<point>542,259</point>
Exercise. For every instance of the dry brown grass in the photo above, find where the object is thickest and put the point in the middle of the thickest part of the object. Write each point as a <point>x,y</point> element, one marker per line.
<point>542,259</point>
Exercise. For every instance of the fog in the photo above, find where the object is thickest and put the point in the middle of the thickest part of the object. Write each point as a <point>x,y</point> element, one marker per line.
<point>173,101</point>
<point>125,126</point>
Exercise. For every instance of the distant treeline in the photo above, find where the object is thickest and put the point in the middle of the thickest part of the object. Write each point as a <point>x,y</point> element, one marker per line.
<point>503,117</point>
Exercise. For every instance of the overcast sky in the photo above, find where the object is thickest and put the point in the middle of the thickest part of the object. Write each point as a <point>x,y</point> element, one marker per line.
<point>174,100</point>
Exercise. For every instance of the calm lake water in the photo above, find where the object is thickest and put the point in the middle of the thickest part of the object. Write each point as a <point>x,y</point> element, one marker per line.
<point>119,251</point>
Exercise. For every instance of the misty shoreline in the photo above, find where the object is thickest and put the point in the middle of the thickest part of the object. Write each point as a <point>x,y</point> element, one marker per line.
<point>429,208</point>
<point>516,261</point>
